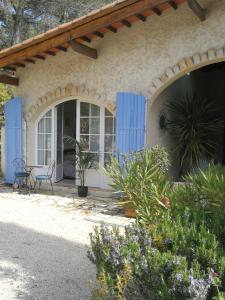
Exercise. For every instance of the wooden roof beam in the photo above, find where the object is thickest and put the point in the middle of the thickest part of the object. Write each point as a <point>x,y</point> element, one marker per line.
<point>173,4</point>
<point>83,49</point>
<point>126,23</point>
<point>111,28</point>
<point>157,11</point>
<point>141,17</point>
<point>64,49</point>
<point>85,39</point>
<point>19,65</point>
<point>39,56</point>
<point>49,52</point>
<point>7,79</point>
<point>197,9</point>
<point>98,34</point>
<point>29,60</point>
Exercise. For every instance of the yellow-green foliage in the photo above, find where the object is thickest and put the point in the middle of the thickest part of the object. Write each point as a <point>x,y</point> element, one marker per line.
<point>5,94</point>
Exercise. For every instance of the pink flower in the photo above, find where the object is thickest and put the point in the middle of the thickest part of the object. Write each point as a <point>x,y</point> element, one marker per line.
<point>214,274</point>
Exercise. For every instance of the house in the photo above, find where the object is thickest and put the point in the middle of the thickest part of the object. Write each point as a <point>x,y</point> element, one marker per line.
<point>103,78</point>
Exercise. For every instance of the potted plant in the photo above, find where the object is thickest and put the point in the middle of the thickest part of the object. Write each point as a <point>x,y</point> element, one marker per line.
<point>83,161</point>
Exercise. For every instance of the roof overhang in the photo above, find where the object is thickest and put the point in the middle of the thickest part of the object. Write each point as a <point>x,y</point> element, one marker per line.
<point>80,32</point>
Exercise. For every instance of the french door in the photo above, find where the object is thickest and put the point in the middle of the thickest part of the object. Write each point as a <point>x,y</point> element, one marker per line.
<point>59,142</point>
<point>95,131</point>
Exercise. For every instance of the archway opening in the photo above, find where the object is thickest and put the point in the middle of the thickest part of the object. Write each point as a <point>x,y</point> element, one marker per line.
<point>189,115</point>
<point>91,125</point>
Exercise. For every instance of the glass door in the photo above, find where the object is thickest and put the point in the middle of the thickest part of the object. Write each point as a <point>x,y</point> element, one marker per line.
<point>59,142</point>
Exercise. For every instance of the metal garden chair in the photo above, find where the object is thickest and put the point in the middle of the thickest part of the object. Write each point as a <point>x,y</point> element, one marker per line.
<point>47,177</point>
<point>21,175</point>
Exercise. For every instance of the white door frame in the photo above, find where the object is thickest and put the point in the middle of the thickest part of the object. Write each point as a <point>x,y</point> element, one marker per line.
<point>95,178</point>
<point>55,132</point>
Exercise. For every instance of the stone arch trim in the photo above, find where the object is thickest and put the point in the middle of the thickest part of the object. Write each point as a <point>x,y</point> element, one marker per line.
<point>183,67</point>
<point>80,92</point>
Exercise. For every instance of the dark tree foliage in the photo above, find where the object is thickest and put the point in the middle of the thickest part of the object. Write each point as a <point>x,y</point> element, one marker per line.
<point>21,19</point>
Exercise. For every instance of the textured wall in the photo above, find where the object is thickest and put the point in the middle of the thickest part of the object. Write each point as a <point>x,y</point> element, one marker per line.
<point>128,61</point>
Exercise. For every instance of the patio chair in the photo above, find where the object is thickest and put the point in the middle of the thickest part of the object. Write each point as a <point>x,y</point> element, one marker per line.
<point>47,177</point>
<point>21,175</point>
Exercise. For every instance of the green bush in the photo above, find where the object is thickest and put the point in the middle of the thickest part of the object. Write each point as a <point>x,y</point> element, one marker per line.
<point>203,196</point>
<point>132,266</point>
<point>176,248</point>
<point>141,177</point>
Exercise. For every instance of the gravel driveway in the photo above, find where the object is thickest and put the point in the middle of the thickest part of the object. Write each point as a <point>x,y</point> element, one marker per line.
<point>43,249</point>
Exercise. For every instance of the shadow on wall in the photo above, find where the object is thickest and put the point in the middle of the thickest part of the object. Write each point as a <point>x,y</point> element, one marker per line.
<point>38,266</point>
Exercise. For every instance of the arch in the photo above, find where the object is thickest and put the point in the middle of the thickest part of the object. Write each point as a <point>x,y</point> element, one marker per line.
<point>183,67</point>
<point>80,92</point>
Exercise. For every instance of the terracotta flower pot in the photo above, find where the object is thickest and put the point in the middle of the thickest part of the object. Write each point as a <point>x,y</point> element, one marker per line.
<point>130,212</point>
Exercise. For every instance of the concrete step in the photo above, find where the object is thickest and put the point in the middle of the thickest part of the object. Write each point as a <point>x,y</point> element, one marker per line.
<point>64,188</point>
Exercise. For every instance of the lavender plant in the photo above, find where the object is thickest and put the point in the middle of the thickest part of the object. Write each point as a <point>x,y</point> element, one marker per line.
<point>131,266</point>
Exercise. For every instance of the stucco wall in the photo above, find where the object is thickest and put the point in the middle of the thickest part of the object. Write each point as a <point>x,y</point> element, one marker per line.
<point>128,60</point>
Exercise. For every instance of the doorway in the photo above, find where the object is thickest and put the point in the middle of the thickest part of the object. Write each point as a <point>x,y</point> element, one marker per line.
<point>66,127</point>
<point>91,125</point>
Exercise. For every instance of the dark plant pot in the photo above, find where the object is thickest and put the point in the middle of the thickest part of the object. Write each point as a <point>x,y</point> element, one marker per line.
<point>82,191</point>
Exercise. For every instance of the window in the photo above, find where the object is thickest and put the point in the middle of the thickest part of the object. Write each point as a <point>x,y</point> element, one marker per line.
<point>44,139</point>
<point>90,129</point>
<point>109,137</point>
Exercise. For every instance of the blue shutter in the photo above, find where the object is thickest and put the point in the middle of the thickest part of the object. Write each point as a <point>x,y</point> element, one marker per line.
<point>13,135</point>
<point>130,122</point>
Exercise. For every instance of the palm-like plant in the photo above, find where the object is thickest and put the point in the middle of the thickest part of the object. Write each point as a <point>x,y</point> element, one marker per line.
<point>195,125</point>
<point>83,160</point>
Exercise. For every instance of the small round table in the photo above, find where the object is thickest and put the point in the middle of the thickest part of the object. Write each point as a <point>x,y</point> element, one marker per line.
<point>30,168</point>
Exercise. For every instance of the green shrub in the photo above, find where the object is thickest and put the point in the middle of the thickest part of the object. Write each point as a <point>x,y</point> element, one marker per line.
<point>176,249</point>
<point>131,266</point>
<point>204,195</point>
<point>190,240</point>
<point>141,177</point>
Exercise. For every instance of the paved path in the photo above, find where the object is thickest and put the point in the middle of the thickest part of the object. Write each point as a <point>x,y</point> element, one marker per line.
<point>43,247</point>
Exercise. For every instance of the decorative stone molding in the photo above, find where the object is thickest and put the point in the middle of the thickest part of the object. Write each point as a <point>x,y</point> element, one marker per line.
<point>80,92</point>
<point>183,67</point>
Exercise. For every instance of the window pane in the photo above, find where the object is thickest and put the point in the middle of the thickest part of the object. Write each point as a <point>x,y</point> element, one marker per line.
<point>84,140</point>
<point>41,127</point>
<point>95,160</point>
<point>41,157</point>
<point>41,141</point>
<point>108,143</point>
<point>108,125</point>
<point>84,125</point>
<point>108,113</point>
<point>48,141</point>
<point>94,143</point>
<point>48,125</point>
<point>84,109</point>
<point>95,125</point>
<point>95,110</point>
<point>48,114</point>
<point>47,157</point>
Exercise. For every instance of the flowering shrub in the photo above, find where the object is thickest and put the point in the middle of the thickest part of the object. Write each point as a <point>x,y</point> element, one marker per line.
<point>176,248</point>
<point>141,177</point>
<point>131,266</point>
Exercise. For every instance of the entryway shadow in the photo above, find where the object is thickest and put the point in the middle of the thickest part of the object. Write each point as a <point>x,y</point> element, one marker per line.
<point>38,266</point>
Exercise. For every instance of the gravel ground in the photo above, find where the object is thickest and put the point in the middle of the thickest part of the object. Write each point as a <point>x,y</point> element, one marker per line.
<point>43,248</point>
